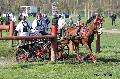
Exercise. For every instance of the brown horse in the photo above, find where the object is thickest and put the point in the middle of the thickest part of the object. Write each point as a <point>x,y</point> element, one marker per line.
<point>86,36</point>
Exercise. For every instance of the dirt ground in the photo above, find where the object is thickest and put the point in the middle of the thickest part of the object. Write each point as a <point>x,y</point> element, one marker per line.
<point>116,31</point>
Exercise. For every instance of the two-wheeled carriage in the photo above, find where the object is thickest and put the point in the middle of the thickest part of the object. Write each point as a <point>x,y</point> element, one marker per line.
<point>37,50</point>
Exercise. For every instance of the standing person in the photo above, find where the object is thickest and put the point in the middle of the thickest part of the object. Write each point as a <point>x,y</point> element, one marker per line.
<point>61,23</point>
<point>46,22</point>
<point>13,18</point>
<point>1,19</point>
<point>55,20</point>
<point>7,19</point>
<point>22,29</point>
<point>113,18</point>
<point>78,20</point>
<point>19,17</point>
<point>70,21</point>
<point>38,25</point>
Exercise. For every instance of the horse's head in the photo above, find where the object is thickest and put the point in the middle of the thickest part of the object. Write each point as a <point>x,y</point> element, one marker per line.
<point>99,21</point>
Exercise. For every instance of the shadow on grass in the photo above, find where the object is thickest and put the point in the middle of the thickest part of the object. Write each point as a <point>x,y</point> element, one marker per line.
<point>109,51</point>
<point>28,65</point>
<point>106,60</point>
<point>74,55</point>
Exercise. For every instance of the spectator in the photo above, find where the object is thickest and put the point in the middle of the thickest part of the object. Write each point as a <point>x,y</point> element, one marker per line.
<point>61,23</point>
<point>113,18</point>
<point>1,19</point>
<point>46,22</point>
<point>13,18</point>
<point>55,20</point>
<point>7,19</point>
<point>70,21</point>
<point>19,17</point>
<point>78,20</point>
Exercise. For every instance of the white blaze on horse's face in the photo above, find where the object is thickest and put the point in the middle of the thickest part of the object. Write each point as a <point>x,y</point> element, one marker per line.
<point>99,23</point>
<point>99,29</point>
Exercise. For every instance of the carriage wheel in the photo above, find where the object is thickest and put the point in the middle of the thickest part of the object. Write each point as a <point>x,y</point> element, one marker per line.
<point>43,56</point>
<point>21,56</point>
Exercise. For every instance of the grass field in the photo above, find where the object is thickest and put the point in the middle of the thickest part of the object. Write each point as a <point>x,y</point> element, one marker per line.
<point>107,23</point>
<point>108,65</point>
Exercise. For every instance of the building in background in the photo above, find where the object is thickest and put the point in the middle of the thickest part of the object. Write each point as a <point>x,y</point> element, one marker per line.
<point>28,10</point>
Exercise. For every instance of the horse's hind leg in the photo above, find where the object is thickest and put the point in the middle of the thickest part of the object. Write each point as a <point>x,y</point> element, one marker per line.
<point>78,57</point>
<point>90,53</point>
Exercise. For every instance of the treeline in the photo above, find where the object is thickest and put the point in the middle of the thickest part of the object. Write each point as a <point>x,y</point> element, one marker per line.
<point>85,7</point>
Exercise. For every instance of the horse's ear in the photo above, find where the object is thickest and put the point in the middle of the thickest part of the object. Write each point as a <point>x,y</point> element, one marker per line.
<point>74,24</point>
<point>66,28</point>
<point>81,24</point>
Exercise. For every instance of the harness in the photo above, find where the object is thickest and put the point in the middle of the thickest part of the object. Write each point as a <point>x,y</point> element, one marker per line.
<point>40,26</point>
<point>26,26</point>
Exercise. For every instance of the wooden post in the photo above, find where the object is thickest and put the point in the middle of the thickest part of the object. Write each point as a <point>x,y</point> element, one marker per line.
<point>53,43</point>
<point>11,32</point>
<point>0,33</point>
<point>98,43</point>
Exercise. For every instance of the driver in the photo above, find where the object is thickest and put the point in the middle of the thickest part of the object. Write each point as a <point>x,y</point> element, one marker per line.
<point>38,25</point>
<point>22,29</point>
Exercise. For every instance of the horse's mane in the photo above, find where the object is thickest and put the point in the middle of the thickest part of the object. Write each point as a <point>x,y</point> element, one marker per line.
<point>90,20</point>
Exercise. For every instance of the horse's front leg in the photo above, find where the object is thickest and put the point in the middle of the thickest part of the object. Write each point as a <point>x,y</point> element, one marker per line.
<point>90,55</point>
<point>90,46</point>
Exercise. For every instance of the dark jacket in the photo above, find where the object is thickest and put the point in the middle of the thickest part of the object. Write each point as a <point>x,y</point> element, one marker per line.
<point>113,17</point>
<point>7,20</point>
<point>55,21</point>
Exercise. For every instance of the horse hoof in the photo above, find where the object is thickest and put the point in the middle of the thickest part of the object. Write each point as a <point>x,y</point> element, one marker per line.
<point>80,60</point>
<point>88,56</point>
<point>94,61</point>
<point>60,55</point>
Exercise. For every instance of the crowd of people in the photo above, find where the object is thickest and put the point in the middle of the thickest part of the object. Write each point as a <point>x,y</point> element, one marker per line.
<point>6,18</point>
<point>40,24</point>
